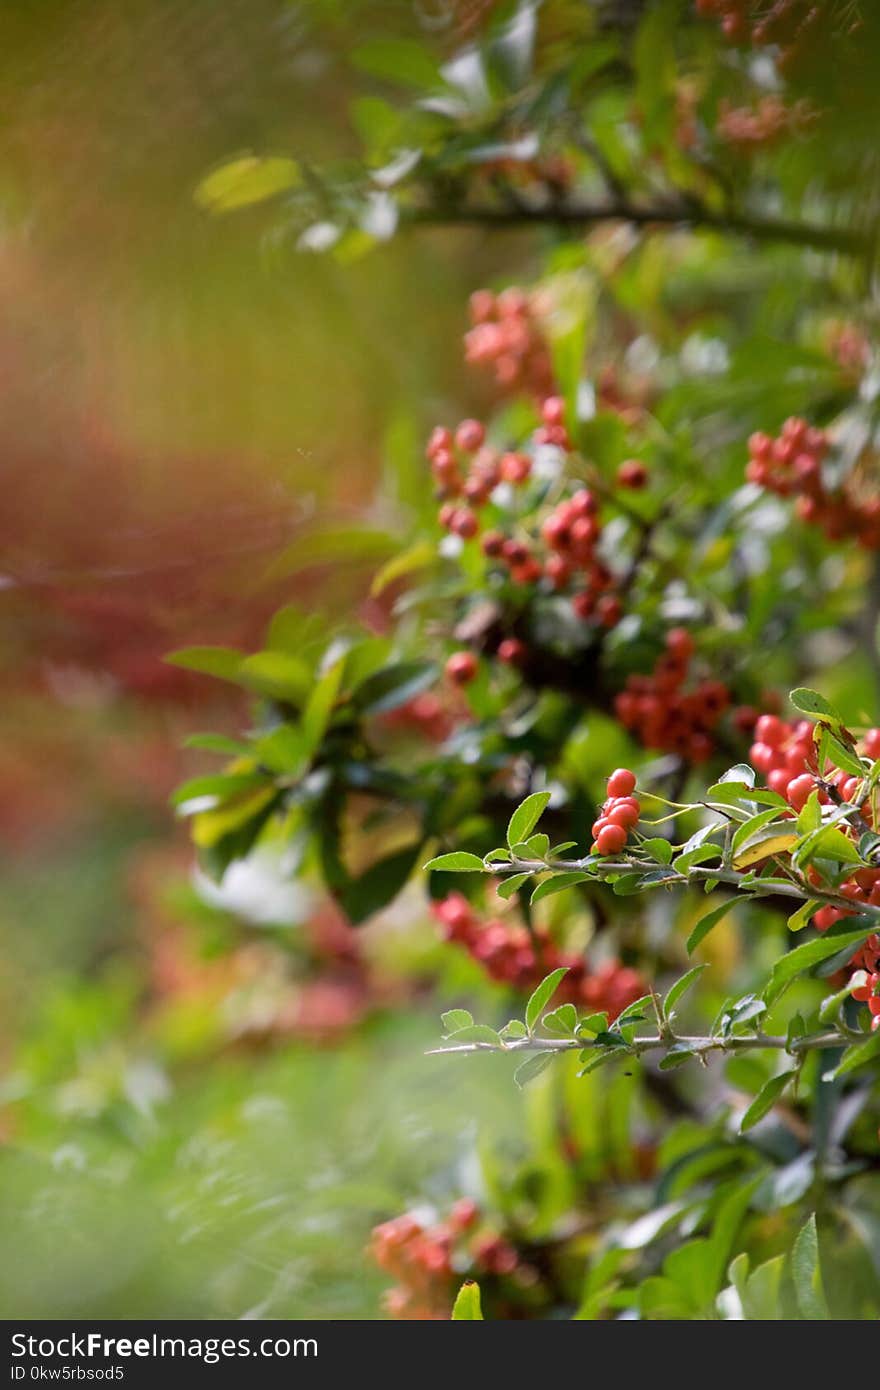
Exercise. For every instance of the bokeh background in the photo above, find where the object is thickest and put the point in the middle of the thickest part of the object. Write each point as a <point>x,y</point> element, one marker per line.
<point>207,1102</point>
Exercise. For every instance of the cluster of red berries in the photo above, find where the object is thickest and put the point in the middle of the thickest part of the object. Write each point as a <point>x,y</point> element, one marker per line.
<point>793,25</point>
<point>786,755</point>
<point>750,127</point>
<point>507,337</point>
<point>424,714</point>
<point>862,888</point>
<point>792,464</point>
<point>868,959</point>
<point>429,1262</point>
<point>572,532</point>
<point>511,955</point>
<point>662,714</point>
<point>466,470</point>
<point>619,814</point>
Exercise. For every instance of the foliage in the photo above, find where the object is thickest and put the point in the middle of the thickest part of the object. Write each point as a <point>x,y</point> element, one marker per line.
<point>667,514</point>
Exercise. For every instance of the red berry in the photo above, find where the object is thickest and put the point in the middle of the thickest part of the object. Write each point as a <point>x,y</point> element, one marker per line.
<point>609,610</point>
<point>771,730</point>
<point>469,436</point>
<point>622,813</point>
<point>799,791</point>
<point>871,743</point>
<point>461,668</point>
<point>632,474</point>
<point>622,782</point>
<point>512,651</point>
<point>553,411</point>
<point>680,643</point>
<point>611,839</point>
<point>515,468</point>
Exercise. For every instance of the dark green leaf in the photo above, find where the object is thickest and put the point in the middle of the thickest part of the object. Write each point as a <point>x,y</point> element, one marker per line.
<point>705,925</point>
<point>765,1099</point>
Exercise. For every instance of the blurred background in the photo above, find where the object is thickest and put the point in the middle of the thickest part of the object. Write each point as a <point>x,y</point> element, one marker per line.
<point>204,1112</point>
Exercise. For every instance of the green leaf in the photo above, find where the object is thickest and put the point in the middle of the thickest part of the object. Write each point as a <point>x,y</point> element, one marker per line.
<point>454,1019</point>
<point>537,846</point>
<point>700,854</point>
<point>772,839</point>
<point>218,743</point>
<point>372,890</point>
<point>278,675</point>
<point>806,1273</point>
<point>748,831</point>
<point>245,181</point>
<point>284,749</point>
<point>557,884</point>
<point>658,848</point>
<point>737,794</point>
<point>526,817</point>
<point>680,988</point>
<point>835,749</point>
<point>466,1307</point>
<point>398,60</point>
<point>827,843</point>
<point>562,1021</point>
<point>593,1023</point>
<point>741,773</point>
<point>638,1008</point>
<point>765,1099</point>
<point>509,886</point>
<point>705,925</point>
<point>221,787</point>
<point>810,817</point>
<point>392,686</point>
<point>811,702</point>
<point>804,957</point>
<point>221,662</point>
<point>831,1004</point>
<point>320,704</point>
<point>419,556</point>
<point>678,1054</point>
<point>541,997</point>
<point>860,1055</point>
<point>594,1057</point>
<point>532,1067</point>
<point>800,919</point>
<point>514,1029</point>
<point>475,1033</point>
<point>458,862</point>
<point>558,850</point>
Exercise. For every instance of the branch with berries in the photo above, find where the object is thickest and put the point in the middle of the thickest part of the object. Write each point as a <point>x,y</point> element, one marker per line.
<point>808,835</point>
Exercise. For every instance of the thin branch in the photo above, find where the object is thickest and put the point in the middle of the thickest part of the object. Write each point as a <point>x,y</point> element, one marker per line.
<point>674,213</point>
<point>698,1045</point>
<point>777,888</point>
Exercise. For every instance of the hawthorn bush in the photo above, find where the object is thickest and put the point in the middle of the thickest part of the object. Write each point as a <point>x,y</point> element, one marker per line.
<point>583,717</point>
